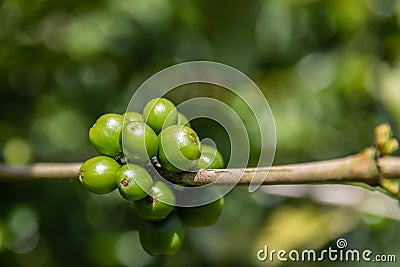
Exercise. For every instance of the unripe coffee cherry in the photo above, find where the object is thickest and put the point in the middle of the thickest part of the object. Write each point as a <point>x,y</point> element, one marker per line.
<point>132,116</point>
<point>105,135</point>
<point>182,120</point>
<point>139,141</point>
<point>210,158</point>
<point>202,216</point>
<point>154,207</point>
<point>98,174</point>
<point>160,113</point>
<point>133,181</point>
<point>179,148</point>
<point>163,238</point>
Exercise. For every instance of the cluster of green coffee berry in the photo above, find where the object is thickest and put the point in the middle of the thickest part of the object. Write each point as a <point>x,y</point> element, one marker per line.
<point>129,141</point>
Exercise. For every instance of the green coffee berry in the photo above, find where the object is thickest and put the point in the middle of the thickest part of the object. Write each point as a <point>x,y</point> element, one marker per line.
<point>213,150</point>
<point>163,238</point>
<point>202,216</point>
<point>160,113</point>
<point>179,148</point>
<point>105,135</point>
<point>154,207</point>
<point>132,116</point>
<point>133,181</point>
<point>210,158</point>
<point>182,120</point>
<point>139,141</point>
<point>98,174</point>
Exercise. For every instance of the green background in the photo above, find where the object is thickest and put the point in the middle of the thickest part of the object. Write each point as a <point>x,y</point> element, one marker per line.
<point>329,69</point>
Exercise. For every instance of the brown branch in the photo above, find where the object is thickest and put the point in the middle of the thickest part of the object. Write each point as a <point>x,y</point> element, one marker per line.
<point>389,167</point>
<point>40,171</point>
<point>362,167</point>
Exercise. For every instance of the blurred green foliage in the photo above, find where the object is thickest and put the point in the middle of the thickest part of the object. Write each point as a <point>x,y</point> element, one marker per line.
<point>329,69</point>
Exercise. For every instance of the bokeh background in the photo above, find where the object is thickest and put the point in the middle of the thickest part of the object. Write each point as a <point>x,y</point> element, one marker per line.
<point>329,69</point>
